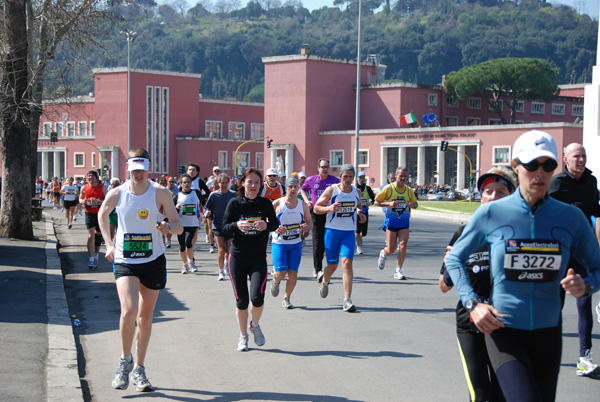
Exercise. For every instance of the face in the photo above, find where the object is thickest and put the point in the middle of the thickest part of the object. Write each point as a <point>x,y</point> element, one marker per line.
<point>91,179</point>
<point>171,183</point>
<point>347,178</point>
<point>575,161</point>
<point>494,191</point>
<point>533,185</point>
<point>272,179</point>
<point>292,189</point>
<point>251,185</point>
<point>282,180</point>
<point>70,182</point>
<point>361,180</point>
<point>114,184</point>
<point>163,182</point>
<point>301,179</point>
<point>139,176</point>
<point>223,185</point>
<point>186,184</point>
<point>324,168</point>
<point>192,171</point>
<point>401,178</point>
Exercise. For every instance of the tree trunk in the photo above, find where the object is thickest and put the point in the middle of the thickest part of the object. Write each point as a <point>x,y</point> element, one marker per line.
<point>15,213</point>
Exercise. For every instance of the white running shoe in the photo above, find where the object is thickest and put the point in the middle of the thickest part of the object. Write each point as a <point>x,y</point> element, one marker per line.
<point>381,260</point>
<point>168,244</point>
<point>399,275</point>
<point>221,276</point>
<point>208,241</point>
<point>348,306</point>
<point>286,303</point>
<point>193,267</point>
<point>259,338</point>
<point>211,250</point>
<point>121,380</point>
<point>243,343</point>
<point>598,311</point>
<point>586,366</point>
<point>185,269</point>
<point>359,250</point>
<point>138,377</point>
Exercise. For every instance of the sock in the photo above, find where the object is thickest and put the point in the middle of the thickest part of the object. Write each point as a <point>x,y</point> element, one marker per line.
<point>222,271</point>
<point>128,358</point>
<point>135,367</point>
<point>96,256</point>
<point>398,269</point>
<point>91,259</point>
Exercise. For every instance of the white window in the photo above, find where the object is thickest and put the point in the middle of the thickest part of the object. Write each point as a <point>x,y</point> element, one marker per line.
<point>451,101</point>
<point>336,156</point>
<point>493,102</point>
<point>257,130</point>
<point>79,159</point>
<point>363,157</point>
<point>93,128</point>
<point>474,103</point>
<point>538,107</point>
<point>214,129</point>
<point>432,99</point>
<point>47,129</point>
<point>501,155</point>
<point>71,129</point>
<point>223,160</point>
<point>93,159</point>
<point>260,161</point>
<point>236,131</point>
<point>473,121</point>
<point>558,109</point>
<point>60,129</point>
<point>243,162</point>
<point>451,121</point>
<point>520,107</point>
<point>577,110</point>
<point>83,128</point>
<point>494,122</point>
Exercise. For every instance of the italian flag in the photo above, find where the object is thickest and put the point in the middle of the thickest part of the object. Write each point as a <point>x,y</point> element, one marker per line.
<point>408,119</point>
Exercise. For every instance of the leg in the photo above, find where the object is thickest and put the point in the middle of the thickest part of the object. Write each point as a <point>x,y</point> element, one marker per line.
<point>474,357</point>
<point>291,282</point>
<point>223,249</point>
<point>584,324</point>
<point>147,302</point>
<point>318,234</point>
<point>91,233</point>
<point>403,241</point>
<point>348,277</point>
<point>258,283</point>
<point>128,291</point>
<point>391,239</point>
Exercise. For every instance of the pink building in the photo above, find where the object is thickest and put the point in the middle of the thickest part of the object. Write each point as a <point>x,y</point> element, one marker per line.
<point>167,117</point>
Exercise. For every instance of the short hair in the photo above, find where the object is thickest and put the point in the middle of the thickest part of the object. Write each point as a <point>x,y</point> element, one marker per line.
<point>183,176</point>
<point>400,168</point>
<point>194,165</point>
<point>322,160</point>
<point>222,176</point>
<point>92,172</point>
<point>248,172</point>
<point>139,152</point>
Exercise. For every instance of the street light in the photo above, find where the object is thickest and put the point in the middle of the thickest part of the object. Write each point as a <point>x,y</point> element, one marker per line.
<point>130,38</point>
<point>357,117</point>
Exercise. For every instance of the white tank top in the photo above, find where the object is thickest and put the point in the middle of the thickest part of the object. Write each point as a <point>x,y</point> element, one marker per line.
<point>190,210</point>
<point>292,218</point>
<point>345,218</point>
<point>138,241</point>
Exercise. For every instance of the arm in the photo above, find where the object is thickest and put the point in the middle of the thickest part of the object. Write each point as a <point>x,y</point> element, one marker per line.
<point>308,223</point>
<point>110,202</point>
<point>306,198</point>
<point>230,217</point>
<point>413,204</point>
<point>381,199</point>
<point>82,196</point>
<point>587,252</point>
<point>272,221</point>
<point>174,226</point>
<point>320,207</point>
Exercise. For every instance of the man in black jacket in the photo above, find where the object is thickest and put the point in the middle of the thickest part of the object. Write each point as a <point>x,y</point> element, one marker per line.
<point>575,185</point>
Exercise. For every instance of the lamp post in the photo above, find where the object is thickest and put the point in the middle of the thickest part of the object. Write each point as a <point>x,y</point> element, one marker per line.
<point>357,121</point>
<point>130,38</point>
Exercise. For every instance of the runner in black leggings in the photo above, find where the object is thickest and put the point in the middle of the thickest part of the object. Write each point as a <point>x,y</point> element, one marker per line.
<point>249,218</point>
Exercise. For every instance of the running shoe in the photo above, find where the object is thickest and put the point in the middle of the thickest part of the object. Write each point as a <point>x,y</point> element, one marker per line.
<point>320,275</point>
<point>316,273</point>
<point>168,244</point>
<point>221,276</point>
<point>381,260</point>
<point>138,377</point>
<point>359,250</point>
<point>70,226</point>
<point>324,290</point>
<point>226,263</point>
<point>185,269</point>
<point>286,303</point>
<point>211,250</point>
<point>259,338</point>
<point>193,267</point>
<point>243,343</point>
<point>95,264</point>
<point>598,311</point>
<point>207,240</point>
<point>399,275</point>
<point>121,380</point>
<point>91,265</point>
<point>348,306</point>
<point>275,288</point>
<point>75,217</point>
<point>586,366</point>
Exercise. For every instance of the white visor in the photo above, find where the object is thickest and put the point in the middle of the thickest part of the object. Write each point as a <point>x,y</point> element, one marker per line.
<point>138,163</point>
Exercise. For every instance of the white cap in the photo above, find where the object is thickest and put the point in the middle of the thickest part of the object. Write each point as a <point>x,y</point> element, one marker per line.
<point>216,168</point>
<point>271,171</point>
<point>534,144</point>
<point>138,163</point>
<point>282,174</point>
<point>301,174</point>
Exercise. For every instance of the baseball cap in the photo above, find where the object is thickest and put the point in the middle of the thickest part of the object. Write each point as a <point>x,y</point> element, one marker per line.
<point>138,163</point>
<point>282,174</point>
<point>361,174</point>
<point>488,178</point>
<point>271,171</point>
<point>216,168</point>
<point>301,174</point>
<point>534,144</point>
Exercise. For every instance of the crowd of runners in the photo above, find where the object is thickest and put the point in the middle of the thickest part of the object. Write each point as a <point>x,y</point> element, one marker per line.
<point>514,253</point>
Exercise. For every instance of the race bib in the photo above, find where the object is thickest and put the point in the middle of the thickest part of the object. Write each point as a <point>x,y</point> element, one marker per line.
<point>292,232</point>
<point>137,245</point>
<point>401,207</point>
<point>188,210</point>
<point>532,260</point>
<point>253,220</point>
<point>346,209</point>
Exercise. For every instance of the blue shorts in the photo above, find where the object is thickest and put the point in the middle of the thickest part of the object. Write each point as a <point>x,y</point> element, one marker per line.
<point>286,257</point>
<point>395,221</point>
<point>336,241</point>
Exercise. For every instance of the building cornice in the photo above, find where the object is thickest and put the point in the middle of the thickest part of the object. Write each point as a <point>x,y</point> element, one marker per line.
<point>230,102</point>
<point>112,70</point>
<point>310,57</point>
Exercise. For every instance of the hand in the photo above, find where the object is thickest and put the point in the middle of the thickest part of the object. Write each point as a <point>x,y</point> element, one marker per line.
<point>304,228</point>
<point>411,204</point>
<point>178,206</point>
<point>448,249</point>
<point>207,214</point>
<point>394,204</point>
<point>110,253</point>
<point>335,207</point>
<point>309,203</point>
<point>244,226</point>
<point>484,317</point>
<point>260,225</point>
<point>163,227</point>
<point>573,284</point>
<point>362,217</point>
<point>366,203</point>
<point>281,229</point>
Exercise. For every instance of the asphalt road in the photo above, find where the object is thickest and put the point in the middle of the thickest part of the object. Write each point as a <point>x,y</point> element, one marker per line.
<point>399,346</point>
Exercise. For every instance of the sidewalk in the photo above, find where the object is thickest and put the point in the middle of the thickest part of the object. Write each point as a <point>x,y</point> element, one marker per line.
<point>38,355</point>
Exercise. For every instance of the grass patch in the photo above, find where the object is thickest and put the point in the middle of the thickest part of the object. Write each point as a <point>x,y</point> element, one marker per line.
<point>463,207</point>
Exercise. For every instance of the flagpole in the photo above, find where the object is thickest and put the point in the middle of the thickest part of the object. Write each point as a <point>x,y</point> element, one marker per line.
<point>357,123</point>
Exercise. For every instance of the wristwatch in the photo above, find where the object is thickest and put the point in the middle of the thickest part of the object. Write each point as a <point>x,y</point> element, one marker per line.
<point>470,304</point>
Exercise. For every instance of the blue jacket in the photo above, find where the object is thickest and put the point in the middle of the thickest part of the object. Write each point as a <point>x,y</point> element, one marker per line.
<point>525,305</point>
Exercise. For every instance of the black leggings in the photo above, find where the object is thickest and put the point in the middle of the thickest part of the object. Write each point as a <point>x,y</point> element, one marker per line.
<point>318,240</point>
<point>526,362</point>
<point>240,268</point>
<point>186,237</point>
<point>481,379</point>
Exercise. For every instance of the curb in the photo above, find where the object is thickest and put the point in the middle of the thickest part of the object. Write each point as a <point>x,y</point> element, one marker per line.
<point>458,218</point>
<point>62,373</point>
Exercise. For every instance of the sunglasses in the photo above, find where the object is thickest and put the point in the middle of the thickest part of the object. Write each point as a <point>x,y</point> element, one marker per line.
<point>324,167</point>
<point>534,165</point>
